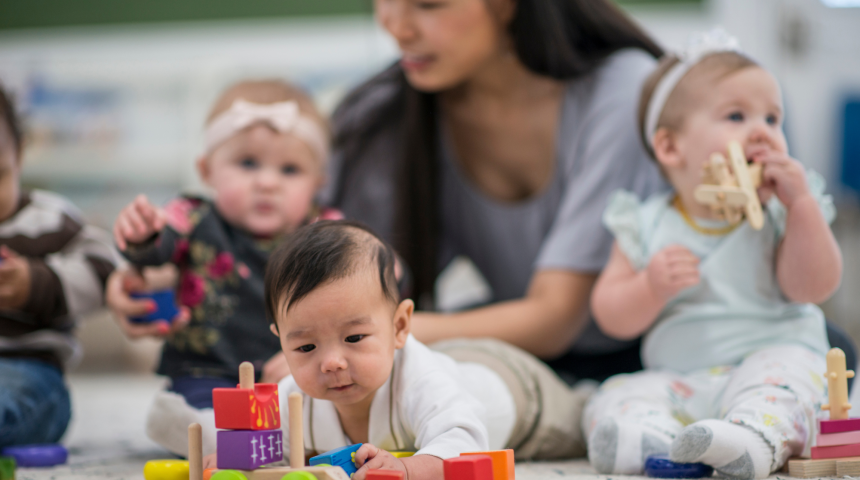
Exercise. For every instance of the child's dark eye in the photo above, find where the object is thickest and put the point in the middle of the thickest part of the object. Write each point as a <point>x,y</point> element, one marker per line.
<point>248,163</point>
<point>354,338</point>
<point>772,120</point>
<point>736,117</point>
<point>289,169</point>
<point>306,348</point>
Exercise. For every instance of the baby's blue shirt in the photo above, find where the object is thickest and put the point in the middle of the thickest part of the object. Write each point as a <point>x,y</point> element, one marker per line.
<point>738,307</point>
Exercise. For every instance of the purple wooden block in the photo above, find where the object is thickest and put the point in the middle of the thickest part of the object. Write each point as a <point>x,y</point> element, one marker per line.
<point>248,449</point>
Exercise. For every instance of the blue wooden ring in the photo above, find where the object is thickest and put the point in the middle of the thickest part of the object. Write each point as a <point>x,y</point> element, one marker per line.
<point>659,466</point>
<point>46,455</point>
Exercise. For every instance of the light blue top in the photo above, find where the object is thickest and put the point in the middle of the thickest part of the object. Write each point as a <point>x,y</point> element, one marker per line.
<point>738,306</point>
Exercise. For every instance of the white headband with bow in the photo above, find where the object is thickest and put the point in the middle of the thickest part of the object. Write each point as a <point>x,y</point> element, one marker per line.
<point>700,46</point>
<point>285,117</point>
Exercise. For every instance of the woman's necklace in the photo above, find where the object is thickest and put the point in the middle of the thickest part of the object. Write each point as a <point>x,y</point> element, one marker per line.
<point>676,202</point>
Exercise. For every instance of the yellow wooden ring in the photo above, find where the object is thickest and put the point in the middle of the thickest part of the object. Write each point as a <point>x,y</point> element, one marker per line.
<point>166,470</point>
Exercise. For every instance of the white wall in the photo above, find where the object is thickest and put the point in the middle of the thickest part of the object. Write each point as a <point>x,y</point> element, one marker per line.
<point>813,50</point>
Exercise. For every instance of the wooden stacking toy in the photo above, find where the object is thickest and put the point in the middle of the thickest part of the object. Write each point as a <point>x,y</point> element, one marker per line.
<point>494,465</point>
<point>731,194</point>
<point>837,450</point>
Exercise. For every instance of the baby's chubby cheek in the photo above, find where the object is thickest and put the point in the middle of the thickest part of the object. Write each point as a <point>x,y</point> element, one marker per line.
<point>233,203</point>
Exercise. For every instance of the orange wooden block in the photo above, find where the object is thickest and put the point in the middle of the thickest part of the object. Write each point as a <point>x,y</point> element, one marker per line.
<point>207,474</point>
<point>503,463</point>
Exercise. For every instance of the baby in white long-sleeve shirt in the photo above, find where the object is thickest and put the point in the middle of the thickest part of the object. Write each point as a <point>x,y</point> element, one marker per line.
<point>332,294</point>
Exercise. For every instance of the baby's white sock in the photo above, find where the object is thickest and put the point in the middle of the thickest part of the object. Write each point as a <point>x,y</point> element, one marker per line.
<point>622,447</point>
<point>735,451</point>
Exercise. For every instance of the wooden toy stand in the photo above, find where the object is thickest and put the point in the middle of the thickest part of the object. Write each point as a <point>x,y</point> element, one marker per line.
<point>297,447</point>
<point>732,194</point>
<point>837,453</point>
<point>495,465</point>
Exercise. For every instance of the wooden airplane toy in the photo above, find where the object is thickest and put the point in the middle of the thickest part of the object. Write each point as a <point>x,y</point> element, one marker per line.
<point>731,194</point>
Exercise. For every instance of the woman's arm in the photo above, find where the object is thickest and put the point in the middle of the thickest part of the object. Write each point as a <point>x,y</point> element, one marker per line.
<point>545,322</point>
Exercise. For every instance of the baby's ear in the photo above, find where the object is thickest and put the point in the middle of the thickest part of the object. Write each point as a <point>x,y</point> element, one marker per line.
<point>403,322</point>
<point>203,170</point>
<point>665,147</point>
<point>274,328</point>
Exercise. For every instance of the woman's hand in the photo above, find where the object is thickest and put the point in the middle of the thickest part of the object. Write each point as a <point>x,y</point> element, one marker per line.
<point>275,369</point>
<point>371,457</point>
<point>671,270</point>
<point>783,176</point>
<point>119,285</point>
<point>138,221</point>
<point>14,279</point>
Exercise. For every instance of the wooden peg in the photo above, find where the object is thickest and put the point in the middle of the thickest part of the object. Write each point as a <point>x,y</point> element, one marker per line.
<point>837,385</point>
<point>297,441</point>
<point>195,452</point>
<point>246,375</point>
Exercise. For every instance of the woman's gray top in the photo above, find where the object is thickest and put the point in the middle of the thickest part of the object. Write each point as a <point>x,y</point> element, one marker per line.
<point>559,228</point>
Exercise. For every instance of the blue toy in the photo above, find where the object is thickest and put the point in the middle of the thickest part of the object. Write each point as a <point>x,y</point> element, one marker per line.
<point>165,302</point>
<point>659,466</point>
<point>46,455</point>
<point>343,457</point>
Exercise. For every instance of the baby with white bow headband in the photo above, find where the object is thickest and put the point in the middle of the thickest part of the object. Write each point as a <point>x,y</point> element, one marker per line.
<point>264,158</point>
<point>733,345</point>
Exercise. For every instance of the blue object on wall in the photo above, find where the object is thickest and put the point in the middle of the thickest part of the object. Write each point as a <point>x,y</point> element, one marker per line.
<point>850,175</point>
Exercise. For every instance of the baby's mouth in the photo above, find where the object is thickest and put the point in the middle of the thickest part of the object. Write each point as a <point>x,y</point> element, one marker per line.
<point>342,388</point>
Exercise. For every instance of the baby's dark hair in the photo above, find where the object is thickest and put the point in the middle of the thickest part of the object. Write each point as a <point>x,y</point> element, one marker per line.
<point>322,252</point>
<point>10,118</point>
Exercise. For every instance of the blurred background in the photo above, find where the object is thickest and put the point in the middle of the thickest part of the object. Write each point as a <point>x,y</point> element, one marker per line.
<point>115,94</point>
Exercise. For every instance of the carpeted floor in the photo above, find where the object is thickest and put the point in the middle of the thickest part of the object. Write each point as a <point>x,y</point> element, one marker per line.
<point>106,439</point>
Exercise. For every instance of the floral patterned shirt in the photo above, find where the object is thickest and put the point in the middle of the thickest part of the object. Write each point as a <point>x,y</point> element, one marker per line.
<point>221,282</point>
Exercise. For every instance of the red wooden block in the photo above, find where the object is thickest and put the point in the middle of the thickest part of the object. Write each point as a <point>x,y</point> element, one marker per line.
<point>837,426</point>
<point>472,467</point>
<point>384,475</point>
<point>247,409</point>
<point>837,451</point>
<point>503,463</point>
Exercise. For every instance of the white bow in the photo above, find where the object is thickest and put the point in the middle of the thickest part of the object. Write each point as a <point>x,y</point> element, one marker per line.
<point>699,46</point>
<point>281,116</point>
<point>285,117</point>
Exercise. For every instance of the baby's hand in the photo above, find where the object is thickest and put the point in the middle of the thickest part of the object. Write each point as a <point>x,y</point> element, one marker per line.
<point>671,270</point>
<point>371,457</point>
<point>210,461</point>
<point>14,279</point>
<point>783,176</point>
<point>138,221</point>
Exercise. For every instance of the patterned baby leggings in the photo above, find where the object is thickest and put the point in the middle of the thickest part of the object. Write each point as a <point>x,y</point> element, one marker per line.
<point>777,391</point>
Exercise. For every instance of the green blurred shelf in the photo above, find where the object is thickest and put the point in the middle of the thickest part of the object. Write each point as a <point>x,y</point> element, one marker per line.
<point>22,14</point>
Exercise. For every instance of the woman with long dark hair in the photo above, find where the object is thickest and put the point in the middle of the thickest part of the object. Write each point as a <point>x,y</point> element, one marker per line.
<point>498,136</point>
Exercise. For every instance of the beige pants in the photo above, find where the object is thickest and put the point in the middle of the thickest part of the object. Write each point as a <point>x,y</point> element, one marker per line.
<point>548,411</point>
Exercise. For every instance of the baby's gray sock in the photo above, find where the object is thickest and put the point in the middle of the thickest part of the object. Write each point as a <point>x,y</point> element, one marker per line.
<point>735,451</point>
<point>622,448</point>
